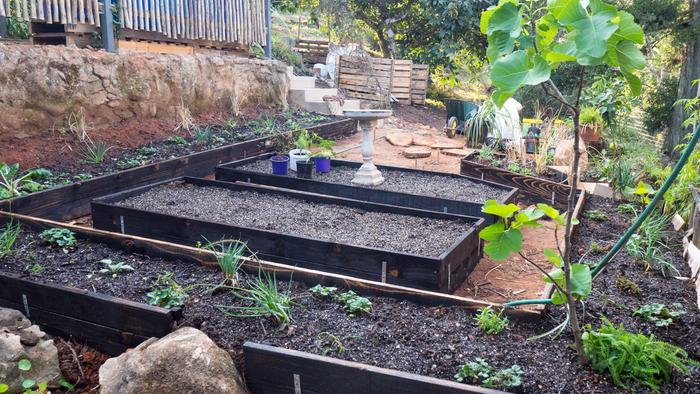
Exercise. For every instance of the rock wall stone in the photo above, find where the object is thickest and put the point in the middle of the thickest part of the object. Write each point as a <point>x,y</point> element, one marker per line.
<point>41,85</point>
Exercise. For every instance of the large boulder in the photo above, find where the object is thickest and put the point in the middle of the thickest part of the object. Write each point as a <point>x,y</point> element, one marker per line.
<point>185,361</point>
<point>20,340</point>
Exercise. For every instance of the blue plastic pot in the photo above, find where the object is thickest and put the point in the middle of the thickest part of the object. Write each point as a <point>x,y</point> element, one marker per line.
<point>280,165</point>
<point>323,164</point>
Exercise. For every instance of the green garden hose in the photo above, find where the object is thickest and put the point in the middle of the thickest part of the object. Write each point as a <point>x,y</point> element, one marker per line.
<point>633,228</point>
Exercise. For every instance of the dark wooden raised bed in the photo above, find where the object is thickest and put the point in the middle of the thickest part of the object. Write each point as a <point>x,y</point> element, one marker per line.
<point>110,324</point>
<point>274,370</point>
<point>444,273</point>
<point>72,201</point>
<point>231,173</point>
<point>540,189</point>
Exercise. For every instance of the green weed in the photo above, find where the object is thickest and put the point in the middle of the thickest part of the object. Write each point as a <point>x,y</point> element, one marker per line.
<point>491,322</point>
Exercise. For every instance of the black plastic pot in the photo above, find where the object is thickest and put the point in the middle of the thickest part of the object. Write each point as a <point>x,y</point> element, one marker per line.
<point>305,169</point>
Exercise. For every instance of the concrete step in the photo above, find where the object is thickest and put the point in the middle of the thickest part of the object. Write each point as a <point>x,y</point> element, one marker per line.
<point>298,83</point>
<point>316,94</point>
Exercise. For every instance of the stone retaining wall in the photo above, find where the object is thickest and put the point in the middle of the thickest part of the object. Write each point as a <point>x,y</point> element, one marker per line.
<point>40,86</point>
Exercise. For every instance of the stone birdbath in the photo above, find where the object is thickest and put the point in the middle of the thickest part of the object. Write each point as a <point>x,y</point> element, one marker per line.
<point>368,174</point>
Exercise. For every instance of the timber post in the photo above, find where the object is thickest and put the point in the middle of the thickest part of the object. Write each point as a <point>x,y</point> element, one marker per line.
<point>106,26</point>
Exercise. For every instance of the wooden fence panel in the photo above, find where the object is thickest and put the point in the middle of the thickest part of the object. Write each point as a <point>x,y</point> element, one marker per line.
<point>371,79</point>
<point>419,83</point>
<point>53,11</point>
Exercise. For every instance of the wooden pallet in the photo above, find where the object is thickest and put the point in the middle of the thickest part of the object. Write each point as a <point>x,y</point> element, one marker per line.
<point>419,83</point>
<point>372,78</point>
<point>80,35</point>
<point>312,51</point>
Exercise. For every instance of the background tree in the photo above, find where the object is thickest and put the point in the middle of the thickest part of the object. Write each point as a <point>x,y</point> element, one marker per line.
<point>383,17</point>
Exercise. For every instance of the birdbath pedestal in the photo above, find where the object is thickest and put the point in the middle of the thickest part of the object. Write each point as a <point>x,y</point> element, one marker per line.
<point>368,174</point>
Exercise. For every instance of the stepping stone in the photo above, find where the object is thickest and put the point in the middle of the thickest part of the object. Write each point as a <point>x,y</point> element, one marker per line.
<point>461,152</point>
<point>417,152</point>
<point>423,140</point>
<point>447,145</point>
<point>399,138</point>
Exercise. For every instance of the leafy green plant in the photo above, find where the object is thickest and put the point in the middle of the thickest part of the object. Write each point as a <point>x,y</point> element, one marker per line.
<point>14,184</point>
<point>202,136</point>
<point>595,214</point>
<point>659,314</point>
<point>323,291</point>
<point>643,191</point>
<point>303,140</point>
<point>29,386</point>
<point>325,147</point>
<point>36,269</point>
<point>94,153</point>
<point>229,255</point>
<point>679,196</point>
<point>115,268</point>
<point>622,176</point>
<point>167,292</point>
<point>491,322</point>
<point>353,303</point>
<point>474,371</point>
<point>147,150</point>
<point>487,153</point>
<point>649,246</point>
<point>265,301</point>
<point>590,116</point>
<point>627,208</point>
<point>634,359</point>
<point>595,247</point>
<point>176,140</point>
<point>329,343</point>
<point>8,236</point>
<point>62,237</point>
<point>479,371</point>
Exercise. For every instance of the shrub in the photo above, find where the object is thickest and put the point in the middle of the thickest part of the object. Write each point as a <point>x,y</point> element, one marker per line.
<point>62,237</point>
<point>634,359</point>
<point>658,104</point>
<point>491,322</point>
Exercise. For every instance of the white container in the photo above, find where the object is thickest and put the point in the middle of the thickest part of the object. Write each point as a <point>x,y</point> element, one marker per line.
<point>297,155</point>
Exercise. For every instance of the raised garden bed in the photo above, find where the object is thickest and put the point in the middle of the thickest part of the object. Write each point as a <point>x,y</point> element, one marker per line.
<point>73,200</point>
<point>415,248</point>
<point>542,190</point>
<point>410,338</point>
<point>439,192</point>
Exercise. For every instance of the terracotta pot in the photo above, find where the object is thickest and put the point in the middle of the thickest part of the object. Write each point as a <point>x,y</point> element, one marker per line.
<point>590,133</point>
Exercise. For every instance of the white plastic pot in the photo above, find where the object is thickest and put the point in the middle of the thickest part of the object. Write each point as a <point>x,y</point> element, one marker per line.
<point>297,155</point>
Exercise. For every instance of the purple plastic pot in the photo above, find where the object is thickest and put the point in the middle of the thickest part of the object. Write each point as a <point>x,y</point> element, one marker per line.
<point>323,164</point>
<point>280,164</point>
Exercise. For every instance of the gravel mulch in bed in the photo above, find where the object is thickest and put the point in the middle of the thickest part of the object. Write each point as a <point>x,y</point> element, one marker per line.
<point>401,335</point>
<point>282,214</point>
<point>440,186</point>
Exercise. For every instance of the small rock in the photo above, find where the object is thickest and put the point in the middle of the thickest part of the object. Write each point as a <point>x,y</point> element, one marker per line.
<point>31,335</point>
<point>447,145</point>
<point>457,152</point>
<point>416,152</point>
<point>423,140</point>
<point>399,139</point>
<point>13,320</point>
<point>186,361</point>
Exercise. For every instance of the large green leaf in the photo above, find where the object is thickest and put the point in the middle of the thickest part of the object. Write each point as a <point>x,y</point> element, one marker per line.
<point>633,81</point>
<point>500,43</point>
<point>581,280</point>
<point>501,210</point>
<point>628,29</point>
<point>553,257</point>
<point>629,57</point>
<point>506,17</point>
<point>510,241</point>
<point>511,72</point>
<point>546,29</point>
<point>566,11</point>
<point>593,33</point>
<point>493,232</point>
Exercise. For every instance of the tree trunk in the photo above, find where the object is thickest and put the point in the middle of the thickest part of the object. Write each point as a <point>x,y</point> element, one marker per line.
<point>690,71</point>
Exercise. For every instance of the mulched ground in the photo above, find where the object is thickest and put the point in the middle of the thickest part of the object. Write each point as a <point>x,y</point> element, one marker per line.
<point>432,341</point>
<point>135,145</point>
<point>299,217</point>
<point>439,186</point>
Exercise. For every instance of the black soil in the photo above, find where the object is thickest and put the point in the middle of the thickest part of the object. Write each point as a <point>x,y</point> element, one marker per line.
<point>432,341</point>
<point>440,186</point>
<point>278,213</point>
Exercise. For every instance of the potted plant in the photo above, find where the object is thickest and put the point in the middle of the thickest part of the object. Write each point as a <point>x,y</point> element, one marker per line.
<point>591,121</point>
<point>280,164</point>
<point>301,151</point>
<point>305,168</point>
<point>322,157</point>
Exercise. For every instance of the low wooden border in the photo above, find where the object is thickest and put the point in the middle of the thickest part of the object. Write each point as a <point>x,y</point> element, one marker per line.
<point>274,370</point>
<point>538,188</point>
<point>443,273</point>
<point>72,201</point>
<point>108,323</point>
<point>231,173</point>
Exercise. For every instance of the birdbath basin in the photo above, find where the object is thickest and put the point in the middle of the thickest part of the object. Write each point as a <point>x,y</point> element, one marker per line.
<point>368,174</point>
